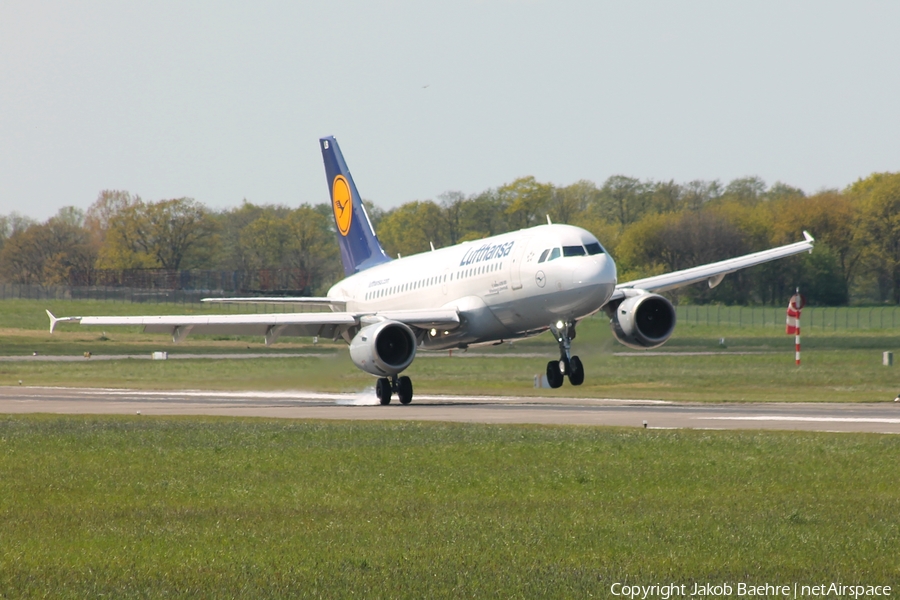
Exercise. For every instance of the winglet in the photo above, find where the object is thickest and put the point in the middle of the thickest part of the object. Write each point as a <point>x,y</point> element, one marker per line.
<point>55,320</point>
<point>808,237</point>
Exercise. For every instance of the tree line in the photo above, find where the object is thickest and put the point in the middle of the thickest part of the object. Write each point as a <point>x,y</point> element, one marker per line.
<point>650,227</point>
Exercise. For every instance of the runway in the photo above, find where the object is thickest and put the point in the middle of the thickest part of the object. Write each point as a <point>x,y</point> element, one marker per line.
<point>874,418</point>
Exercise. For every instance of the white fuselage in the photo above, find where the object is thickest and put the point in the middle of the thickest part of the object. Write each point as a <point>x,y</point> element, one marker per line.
<point>507,286</point>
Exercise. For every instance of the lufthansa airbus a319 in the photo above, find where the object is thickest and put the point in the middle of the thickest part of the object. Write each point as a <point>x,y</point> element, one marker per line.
<point>500,288</point>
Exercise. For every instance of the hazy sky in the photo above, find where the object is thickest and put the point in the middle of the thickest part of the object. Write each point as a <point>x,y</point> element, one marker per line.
<point>221,101</point>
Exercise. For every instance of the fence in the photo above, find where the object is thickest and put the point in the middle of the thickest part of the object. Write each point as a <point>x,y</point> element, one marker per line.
<point>831,318</point>
<point>162,286</point>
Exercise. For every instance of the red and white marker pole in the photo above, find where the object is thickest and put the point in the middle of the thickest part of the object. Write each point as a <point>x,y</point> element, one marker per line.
<point>796,303</point>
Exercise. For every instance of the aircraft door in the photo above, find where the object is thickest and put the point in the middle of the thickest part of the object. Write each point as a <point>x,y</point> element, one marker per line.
<point>515,264</point>
<point>445,278</point>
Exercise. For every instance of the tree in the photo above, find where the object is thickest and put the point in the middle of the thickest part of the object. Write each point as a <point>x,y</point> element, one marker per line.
<point>311,247</point>
<point>783,191</point>
<point>108,204</point>
<point>682,241</point>
<point>265,240</point>
<point>623,200</point>
<point>375,213</point>
<point>46,254</point>
<point>11,224</point>
<point>746,190</point>
<point>412,228</point>
<point>169,234</point>
<point>831,217</point>
<point>569,204</point>
<point>483,215</point>
<point>696,194</point>
<point>879,231</point>
<point>526,200</point>
<point>452,213</point>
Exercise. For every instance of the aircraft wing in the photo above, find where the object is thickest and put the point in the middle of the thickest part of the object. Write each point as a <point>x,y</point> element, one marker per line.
<point>271,326</point>
<point>713,272</point>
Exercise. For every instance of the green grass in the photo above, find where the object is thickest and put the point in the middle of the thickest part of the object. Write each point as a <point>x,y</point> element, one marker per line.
<point>204,507</point>
<point>843,365</point>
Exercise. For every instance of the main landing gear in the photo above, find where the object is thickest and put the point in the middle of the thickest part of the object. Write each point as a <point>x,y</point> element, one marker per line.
<point>402,386</point>
<point>567,365</point>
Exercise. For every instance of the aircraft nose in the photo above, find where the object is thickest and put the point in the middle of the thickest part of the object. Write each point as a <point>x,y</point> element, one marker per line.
<point>593,270</point>
<point>597,276</point>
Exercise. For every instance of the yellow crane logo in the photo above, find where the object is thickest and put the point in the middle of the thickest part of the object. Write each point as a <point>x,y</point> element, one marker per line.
<point>342,203</point>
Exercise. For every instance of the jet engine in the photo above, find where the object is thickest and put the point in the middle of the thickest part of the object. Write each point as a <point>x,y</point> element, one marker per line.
<point>383,349</point>
<point>643,321</point>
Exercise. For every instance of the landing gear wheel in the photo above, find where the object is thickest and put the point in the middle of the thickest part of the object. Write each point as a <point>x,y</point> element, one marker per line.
<point>383,390</point>
<point>554,375</point>
<point>576,371</point>
<point>404,390</point>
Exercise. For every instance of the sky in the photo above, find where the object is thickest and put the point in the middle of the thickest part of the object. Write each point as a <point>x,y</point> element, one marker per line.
<point>225,101</point>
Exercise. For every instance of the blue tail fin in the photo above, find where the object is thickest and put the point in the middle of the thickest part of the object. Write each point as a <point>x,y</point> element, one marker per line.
<point>360,248</point>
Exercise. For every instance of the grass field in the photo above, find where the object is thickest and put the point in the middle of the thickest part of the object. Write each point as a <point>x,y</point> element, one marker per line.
<point>147,507</point>
<point>754,364</point>
<point>141,507</point>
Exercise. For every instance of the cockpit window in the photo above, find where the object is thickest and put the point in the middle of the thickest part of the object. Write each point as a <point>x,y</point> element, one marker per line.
<point>573,251</point>
<point>554,254</point>
<point>594,248</point>
<point>544,255</point>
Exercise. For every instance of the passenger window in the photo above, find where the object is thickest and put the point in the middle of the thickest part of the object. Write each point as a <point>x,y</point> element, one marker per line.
<point>544,255</point>
<point>573,251</point>
<point>594,248</point>
<point>554,254</point>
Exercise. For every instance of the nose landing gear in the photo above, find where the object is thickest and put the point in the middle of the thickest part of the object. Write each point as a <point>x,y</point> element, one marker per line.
<point>567,365</point>
<point>402,386</point>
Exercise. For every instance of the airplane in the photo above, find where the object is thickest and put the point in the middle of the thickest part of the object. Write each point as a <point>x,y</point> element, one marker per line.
<point>488,291</point>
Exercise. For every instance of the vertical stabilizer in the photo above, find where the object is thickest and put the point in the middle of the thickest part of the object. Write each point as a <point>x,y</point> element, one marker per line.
<point>360,248</point>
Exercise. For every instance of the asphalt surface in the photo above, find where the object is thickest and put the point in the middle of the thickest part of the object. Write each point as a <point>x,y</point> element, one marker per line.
<point>876,418</point>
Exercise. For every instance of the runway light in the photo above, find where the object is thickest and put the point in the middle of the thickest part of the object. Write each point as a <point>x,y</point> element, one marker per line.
<point>645,424</point>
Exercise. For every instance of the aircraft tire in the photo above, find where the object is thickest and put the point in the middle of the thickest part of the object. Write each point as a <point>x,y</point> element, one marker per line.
<point>405,391</point>
<point>554,375</point>
<point>383,390</point>
<point>576,371</point>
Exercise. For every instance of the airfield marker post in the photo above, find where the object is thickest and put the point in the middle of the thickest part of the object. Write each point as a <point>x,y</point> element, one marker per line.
<point>796,303</point>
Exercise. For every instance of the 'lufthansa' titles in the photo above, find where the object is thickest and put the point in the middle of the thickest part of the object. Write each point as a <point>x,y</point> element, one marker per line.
<point>486,252</point>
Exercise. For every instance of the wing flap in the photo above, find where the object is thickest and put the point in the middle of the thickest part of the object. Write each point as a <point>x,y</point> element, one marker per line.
<point>324,324</point>
<point>441,318</point>
<point>299,301</point>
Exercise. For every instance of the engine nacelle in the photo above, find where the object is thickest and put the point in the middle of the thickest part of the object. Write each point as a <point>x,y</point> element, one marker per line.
<point>643,321</point>
<point>383,349</point>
